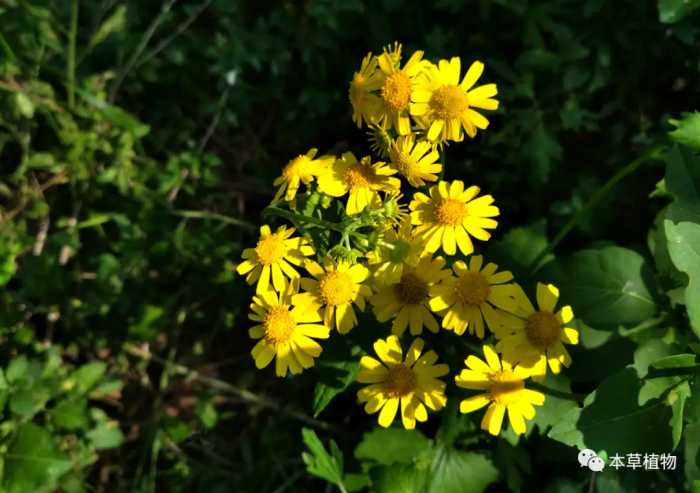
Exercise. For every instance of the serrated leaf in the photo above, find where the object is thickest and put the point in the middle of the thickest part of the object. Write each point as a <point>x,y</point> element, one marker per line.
<point>398,478</point>
<point>319,462</point>
<point>687,130</point>
<point>607,287</point>
<point>683,182</point>
<point>392,445</point>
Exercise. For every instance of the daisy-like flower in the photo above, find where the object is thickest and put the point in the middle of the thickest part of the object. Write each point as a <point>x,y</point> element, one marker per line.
<point>274,256</point>
<point>503,389</point>
<point>365,105</point>
<point>286,332</point>
<point>450,215</point>
<point>301,169</point>
<point>397,249</point>
<point>444,104</point>
<point>411,383</point>
<point>535,338</point>
<point>396,89</point>
<point>473,297</point>
<point>415,160</point>
<point>335,287</point>
<point>406,300</point>
<point>379,140</point>
<point>362,180</point>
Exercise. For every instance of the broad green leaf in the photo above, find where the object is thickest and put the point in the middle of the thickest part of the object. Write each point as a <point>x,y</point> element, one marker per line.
<point>611,420</point>
<point>455,471</point>
<point>555,406</point>
<point>319,462</point>
<point>392,445</point>
<point>82,380</point>
<point>684,248</point>
<point>607,287</point>
<point>398,478</point>
<point>687,130</point>
<point>33,462</point>
<point>17,369</point>
<point>337,376</point>
<point>650,352</point>
<point>672,11</point>
<point>683,182</point>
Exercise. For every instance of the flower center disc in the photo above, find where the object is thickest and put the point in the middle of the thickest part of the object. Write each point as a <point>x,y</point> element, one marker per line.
<point>542,329</point>
<point>336,288</point>
<point>359,176</point>
<point>270,250</point>
<point>400,381</point>
<point>396,91</point>
<point>404,163</point>
<point>411,290</point>
<point>505,387</point>
<point>473,289</point>
<point>450,212</point>
<point>449,102</point>
<point>279,325</point>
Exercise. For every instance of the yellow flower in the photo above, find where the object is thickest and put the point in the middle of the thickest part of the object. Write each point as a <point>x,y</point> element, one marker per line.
<point>532,338</point>
<point>475,296</point>
<point>504,389</point>
<point>272,257</point>
<point>396,89</point>
<point>411,382</point>
<point>415,160</point>
<point>406,300</point>
<point>301,169</point>
<point>450,215</point>
<point>444,104</point>
<point>365,105</point>
<point>285,332</point>
<point>379,140</point>
<point>396,249</point>
<point>336,286</point>
<point>363,180</point>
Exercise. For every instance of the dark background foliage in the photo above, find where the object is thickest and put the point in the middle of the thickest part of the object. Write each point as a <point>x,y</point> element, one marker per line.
<point>126,200</point>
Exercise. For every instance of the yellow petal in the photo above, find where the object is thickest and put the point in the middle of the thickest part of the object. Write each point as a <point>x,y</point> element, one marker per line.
<point>473,403</point>
<point>493,419</point>
<point>388,412</point>
<point>547,296</point>
<point>516,420</point>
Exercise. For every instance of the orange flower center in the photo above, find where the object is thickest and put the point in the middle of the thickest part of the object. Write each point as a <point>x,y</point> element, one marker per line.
<point>472,289</point>
<point>542,329</point>
<point>336,288</point>
<point>411,289</point>
<point>400,381</point>
<point>279,325</point>
<point>450,212</point>
<point>359,176</point>
<point>505,387</point>
<point>396,91</point>
<point>271,249</point>
<point>449,103</point>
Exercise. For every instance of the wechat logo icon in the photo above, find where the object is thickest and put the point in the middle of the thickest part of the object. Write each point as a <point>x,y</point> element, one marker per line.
<point>588,458</point>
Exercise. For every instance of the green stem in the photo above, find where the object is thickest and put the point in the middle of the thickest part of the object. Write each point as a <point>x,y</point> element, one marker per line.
<point>72,40</point>
<point>593,202</point>
<point>672,372</point>
<point>215,216</point>
<point>556,393</point>
<point>294,217</point>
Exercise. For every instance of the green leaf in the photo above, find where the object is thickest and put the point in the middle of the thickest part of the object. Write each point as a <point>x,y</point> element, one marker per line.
<point>337,376</point>
<point>555,407</point>
<point>542,150</point>
<point>461,472</point>
<point>71,414</point>
<point>33,462</point>
<point>114,23</point>
<point>607,287</point>
<point>398,478</point>
<point>392,445</point>
<point>671,11</point>
<point>683,182</point>
<point>106,435</point>
<point>611,420</point>
<point>687,130</point>
<point>319,462</point>
<point>86,377</point>
<point>684,248</point>
<point>692,451</point>
<point>650,352</point>
<point>17,369</point>
<point>677,399</point>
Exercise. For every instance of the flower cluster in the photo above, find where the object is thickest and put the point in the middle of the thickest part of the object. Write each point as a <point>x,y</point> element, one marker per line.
<point>359,244</point>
